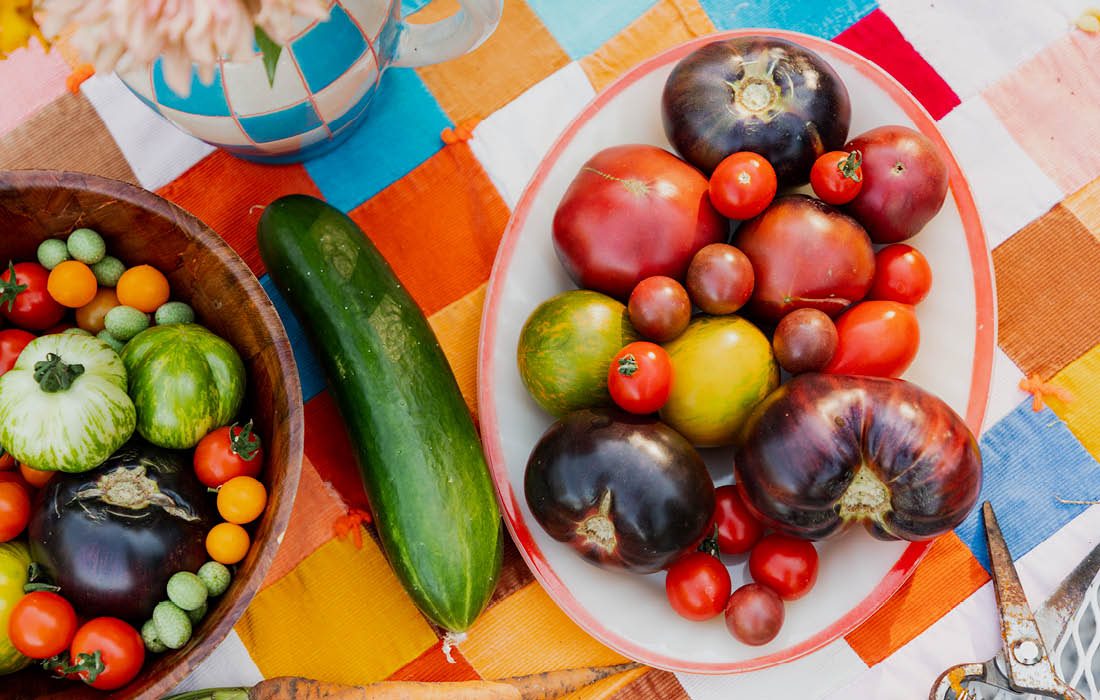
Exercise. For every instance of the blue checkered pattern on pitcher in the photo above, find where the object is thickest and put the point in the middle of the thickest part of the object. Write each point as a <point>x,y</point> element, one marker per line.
<point>324,79</point>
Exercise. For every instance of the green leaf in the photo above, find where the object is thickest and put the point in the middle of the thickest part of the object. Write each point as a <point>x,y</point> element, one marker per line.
<point>270,51</point>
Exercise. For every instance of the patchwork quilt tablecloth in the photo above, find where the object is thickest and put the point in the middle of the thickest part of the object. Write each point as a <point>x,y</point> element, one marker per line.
<point>432,177</point>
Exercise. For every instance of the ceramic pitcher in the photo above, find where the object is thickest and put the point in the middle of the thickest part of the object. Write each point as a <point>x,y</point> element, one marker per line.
<point>325,77</point>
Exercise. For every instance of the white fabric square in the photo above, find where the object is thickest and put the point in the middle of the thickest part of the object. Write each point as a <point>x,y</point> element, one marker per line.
<point>808,678</point>
<point>1010,188</point>
<point>511,141</point>
<point>157,152</point>
<point>229,666</point>
<point>248,91</point>
<point>972,43</point>
<point>1004,391</point>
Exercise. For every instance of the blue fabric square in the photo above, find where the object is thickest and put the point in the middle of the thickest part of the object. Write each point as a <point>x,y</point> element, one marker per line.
<point>582,26</point>
<point>410,6</point>
<point>1031,459</point>
<point>325,52</point>
<point>400,132</point>
<point>309,367</point>
<point>292,121</point>
<point>824,18</point>
<point>208,100</point>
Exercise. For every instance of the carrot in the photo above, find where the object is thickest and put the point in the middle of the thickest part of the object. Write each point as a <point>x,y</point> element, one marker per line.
<point>540,686</point>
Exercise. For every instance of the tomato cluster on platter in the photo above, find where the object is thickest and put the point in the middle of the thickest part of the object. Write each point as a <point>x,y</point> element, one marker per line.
<point>754,288</point>
<point>111,547</point>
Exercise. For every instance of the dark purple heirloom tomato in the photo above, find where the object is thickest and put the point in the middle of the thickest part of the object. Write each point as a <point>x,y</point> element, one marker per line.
<point>760,94</point>
<point>111,537</point>
<point>625,491</point>
<point>823,451</point>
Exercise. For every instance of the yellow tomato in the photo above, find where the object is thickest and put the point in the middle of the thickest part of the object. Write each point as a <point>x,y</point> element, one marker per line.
<point>227,543</point>
<point>72,284</point>
<point>241,499</point>
<point>143,287</point>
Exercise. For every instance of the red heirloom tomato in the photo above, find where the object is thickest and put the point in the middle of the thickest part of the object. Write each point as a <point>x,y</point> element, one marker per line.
<point>698,586</point>
<point>15,510</point>
<point>784,564</point>
<point>640,377</point>
<point>24,298</point>
<point>738,528</point>
<point>121,653</point>
<point>42,624</point>
<point>12,342</point>
<point>633,212</point>
<point>837,176</point>
<point>902,274</point>
<point>228,452</point>
<point>875,338</point>
<point>743,185</point>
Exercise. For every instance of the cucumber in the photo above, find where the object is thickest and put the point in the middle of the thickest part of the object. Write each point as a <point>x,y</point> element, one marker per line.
<point>418,451</point>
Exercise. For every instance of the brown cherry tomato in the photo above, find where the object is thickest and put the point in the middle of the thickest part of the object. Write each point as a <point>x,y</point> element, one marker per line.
<point>720,279</point>
<point>804,341</point>
<point>754,614</point>
<point>659,308</point>
<point>90,316</point>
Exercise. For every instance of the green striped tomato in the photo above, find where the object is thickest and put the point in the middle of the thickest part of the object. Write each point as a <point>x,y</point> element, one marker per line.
<point>63,406</point>
<point>185,382</point>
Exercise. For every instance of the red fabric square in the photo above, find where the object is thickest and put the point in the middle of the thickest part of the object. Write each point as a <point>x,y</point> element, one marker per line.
<point>877,37</point>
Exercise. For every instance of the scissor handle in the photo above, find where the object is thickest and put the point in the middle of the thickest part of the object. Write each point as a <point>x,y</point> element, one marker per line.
<point>953,678</point>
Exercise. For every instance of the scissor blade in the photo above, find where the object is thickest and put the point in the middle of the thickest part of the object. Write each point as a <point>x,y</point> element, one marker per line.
<point>1064,603</point>
<point>1011,599</point>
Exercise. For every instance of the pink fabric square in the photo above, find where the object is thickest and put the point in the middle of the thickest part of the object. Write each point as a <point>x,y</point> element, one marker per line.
<point>32,78</point>
<point>1051,106</point>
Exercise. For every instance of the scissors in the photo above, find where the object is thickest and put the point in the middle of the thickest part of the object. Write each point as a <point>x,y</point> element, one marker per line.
<point>1024,668</point>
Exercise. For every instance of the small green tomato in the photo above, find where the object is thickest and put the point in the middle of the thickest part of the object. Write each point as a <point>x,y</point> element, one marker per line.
<point>107,271</point>
<point>215,576</point>
<point>172,624</point>
<point>124,322</point>
<point>87,246</point>
<point>52,252</point>
<point>106,337</point>
<point>174,312</point>
<point>152,641</point>
<point>187,590</point>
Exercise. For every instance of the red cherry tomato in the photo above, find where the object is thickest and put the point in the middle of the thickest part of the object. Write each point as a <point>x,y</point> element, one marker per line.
<point>743,185</point>
<point>640,377</point>
<point>738,530</point>
<point>24,299</point>
<point>875,338</point>
<point>902,274</point>
<point>121,652</point>
<point>755,614</point>
<point>12,342</point>
<point>42,624</point>
<point>15,510</point>
<point>698,586</point>
<point>7,462</point>
<point>228,452</point>
<point>837,176</point>
<point>784,564</point>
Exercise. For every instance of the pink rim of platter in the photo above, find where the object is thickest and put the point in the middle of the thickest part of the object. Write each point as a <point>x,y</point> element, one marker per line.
<point>969,354</point>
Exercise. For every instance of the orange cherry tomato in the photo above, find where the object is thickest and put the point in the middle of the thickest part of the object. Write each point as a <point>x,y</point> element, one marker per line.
<point>241,499</point>
<point>35,477</point>
<point>72,284</point>
<point>143,287</point>
<point>15,510</point>
<point>42,624</point>
<point>227,543</point>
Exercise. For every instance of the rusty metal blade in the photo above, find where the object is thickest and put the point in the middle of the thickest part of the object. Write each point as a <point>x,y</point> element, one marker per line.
<point>1064,603</point>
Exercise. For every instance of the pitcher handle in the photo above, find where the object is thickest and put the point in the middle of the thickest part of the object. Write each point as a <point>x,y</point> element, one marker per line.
<point>462,32</point>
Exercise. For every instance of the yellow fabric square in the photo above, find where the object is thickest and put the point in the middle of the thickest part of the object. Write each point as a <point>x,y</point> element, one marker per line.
<point>1085,205</point>
<point>339,616</point>
<point>457,326</point>
<point>1082,415</point>
<point>528,633</point>
<point>666,24</point>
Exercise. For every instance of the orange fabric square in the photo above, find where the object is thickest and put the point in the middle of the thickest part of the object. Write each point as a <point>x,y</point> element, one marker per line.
<point>457,326</point>
<point>432,667</point>
<point>1049,106</point>
<point>229,195</point>
<point>1048,293</point>
<point>666,24</point>
<point>439,226</point>
<point>1085,205</point>
<point>316,507</point>
<point>474,86</point>
<point>946,576</point>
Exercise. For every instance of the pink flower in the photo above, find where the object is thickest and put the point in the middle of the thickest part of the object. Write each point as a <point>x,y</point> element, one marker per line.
<point>127,34</point>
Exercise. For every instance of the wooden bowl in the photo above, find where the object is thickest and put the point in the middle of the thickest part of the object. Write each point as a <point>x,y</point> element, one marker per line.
<point>203,270</point>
